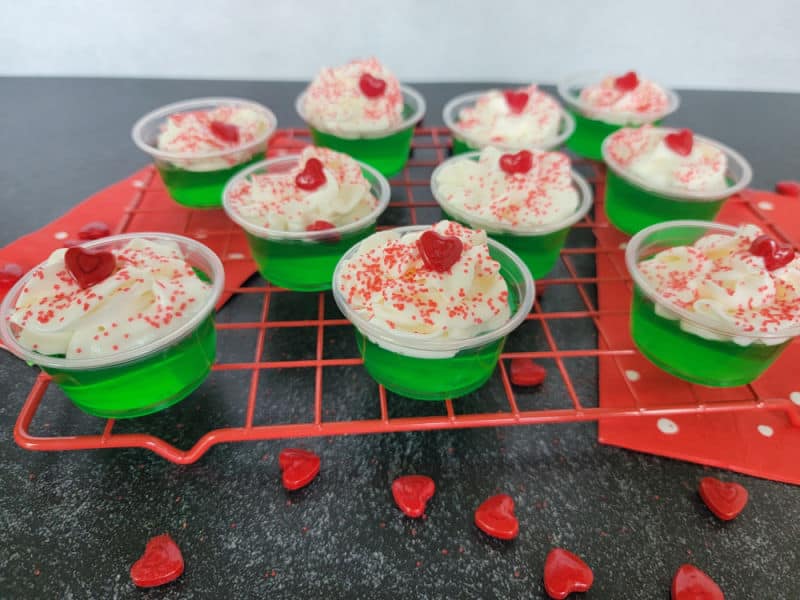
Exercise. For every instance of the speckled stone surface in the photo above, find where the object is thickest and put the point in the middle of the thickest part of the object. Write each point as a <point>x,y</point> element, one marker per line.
<point>71,524</point>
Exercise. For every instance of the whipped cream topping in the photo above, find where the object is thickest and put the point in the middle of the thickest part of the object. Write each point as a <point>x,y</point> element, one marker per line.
<point>645,153</point>
<point>274,201</point>
<point>192,133</point>
<point>483,191</point>
<point>531,123</point>
<point>621,105</point>
<point>336,103</point>
<point>388,283</point>
<point>728,287</point>
<point>152,292</point>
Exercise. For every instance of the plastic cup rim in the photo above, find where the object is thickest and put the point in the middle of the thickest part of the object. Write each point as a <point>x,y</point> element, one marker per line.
<point>176,107</point>
<point>384,195</point>
<point>632,262</point>
<point>584,205</point>
<point>679,195</point>
<point>410,121</point>
<point>449,117</point>
<point>427,345</point>
<point>85,364</point>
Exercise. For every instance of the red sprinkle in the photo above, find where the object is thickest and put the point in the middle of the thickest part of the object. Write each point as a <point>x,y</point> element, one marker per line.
<point>680,142</point>
<point>225,131</point>
<point>371,87</point>
<point>312,176</point>
<point>627,82</point>
<point>521,162</point>
<point>517,101</point>
<point>439,252</point>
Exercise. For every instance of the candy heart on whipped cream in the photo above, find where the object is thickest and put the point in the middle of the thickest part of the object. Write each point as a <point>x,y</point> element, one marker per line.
<point>325,186</point>
<point>625,98</point>
<point>151,292</point>
<point>390,283</point>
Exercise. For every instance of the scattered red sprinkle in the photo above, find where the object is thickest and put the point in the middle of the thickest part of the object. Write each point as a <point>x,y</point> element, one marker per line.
<point>312,176</point>
<point>521,162</point>
<point>225,131</point>
<point>439,252</point>
<point>525,372</point>
<point>371,87</point>
<point>517,101</point>
<point>627,82</point>
<point>680,142</point>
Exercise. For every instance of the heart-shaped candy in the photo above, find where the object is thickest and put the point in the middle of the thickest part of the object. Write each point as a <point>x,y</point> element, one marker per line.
<point>690,583</point>
<point>225,131</point>
<point>627,82</point>
<point>525,372</point>
<point>89,268</point>
<point>371,87</point>
<point>521,162</point>
<point>299,467</point>
<point>412,492</point>
<point>161,563</point>
<point>680,142</point>
<point>495,517</point>
<point>775,255</point>
<point>725,500</point>
<point>439,252</point>
<point>788,188</point>
<point>9,275</point>
<point>312,176</point>
<point>94,231</point>
<point>320,225</point>
<point>517,101</point>
<point>565,573</point>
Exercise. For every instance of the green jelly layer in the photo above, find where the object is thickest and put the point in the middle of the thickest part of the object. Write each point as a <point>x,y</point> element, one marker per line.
<point>199,189</point>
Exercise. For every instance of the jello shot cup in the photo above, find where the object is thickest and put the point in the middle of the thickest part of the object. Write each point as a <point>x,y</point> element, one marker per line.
<point>436,369</point>
<point>463,141</point>
<point>196,179</point>
<point>591,126</point>
<point>538,246</point>
<point>144,379</point>
<point>303,261</point>
<point>685,343</point>
<point>632,204</point>
<point>387,150</point>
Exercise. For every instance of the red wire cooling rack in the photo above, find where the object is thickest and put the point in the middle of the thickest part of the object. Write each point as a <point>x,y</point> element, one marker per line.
<point>561,333</point>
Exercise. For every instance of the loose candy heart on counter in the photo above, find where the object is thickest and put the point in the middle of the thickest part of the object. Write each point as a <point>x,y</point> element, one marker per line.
<point>161,563</point>
<point>725,500</point>
<point>495,517</point>
<point>526,373</point>
<point>565,573</point>
<point>412,492</point>
<point>690,583</point>
<point>299,467</point>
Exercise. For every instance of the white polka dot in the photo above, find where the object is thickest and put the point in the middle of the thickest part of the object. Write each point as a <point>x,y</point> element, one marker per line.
<point>632,375</point>
<point>766,430</point>
<point>200,234</point>
<point>766,205</point>
<point>235,256</point>
<point>795,397</point>
<point>623,245</point>
<point>667,426</point>
<point>61,235</point>
<point>138,184</point>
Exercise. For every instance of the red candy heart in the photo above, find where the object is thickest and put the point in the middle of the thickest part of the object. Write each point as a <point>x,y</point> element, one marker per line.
<point>565,573</point>
<point>94,231</point>
<point>321,225</point>
<point>680,142</point>
<point>412,492</point>
<point>525,372</point>
<point>627,82</point>
<point>517,101</point>
<point>371,87</point>
<point>775,255</point>
<point>89,268</point>
<point>725,500</point>
<point>439,252</point>
<point>9,275</point>
<point>299,467</point>
<point>495,517</point>
<point>690,583</point>
<point>312,176</point>
<point>225,131</point>
<point>161,563</point>
<point>521,162</point>
<point>788,188</point>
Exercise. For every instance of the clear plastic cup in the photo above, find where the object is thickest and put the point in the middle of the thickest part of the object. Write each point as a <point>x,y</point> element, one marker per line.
<point>388,150</point>
<point>682,342</point>
<point>141,380</point>
<point>194,179</point>
<point>426,369</point>
<point>464,142</point>
<point>592,126</point>
<point>632,204</point>
<point>303,260</point>
<point>538,246</point>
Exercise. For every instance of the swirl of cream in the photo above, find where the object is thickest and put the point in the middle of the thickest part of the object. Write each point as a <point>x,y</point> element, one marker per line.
<point>335,103</point>
<point>482,189</point>
<point>606,102</point>
<point>276,202</point>
<point>387,282</point>
<point>152,292</point>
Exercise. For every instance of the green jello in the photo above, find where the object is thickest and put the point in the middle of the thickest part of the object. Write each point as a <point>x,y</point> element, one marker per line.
<point>146,385</point>
<point>691,357</point>
<point>199,189</point>
<point>587,139</point>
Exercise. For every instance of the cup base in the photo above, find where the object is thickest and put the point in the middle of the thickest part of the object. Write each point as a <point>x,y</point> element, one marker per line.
<point>386,154</point>
<point>200,189</point>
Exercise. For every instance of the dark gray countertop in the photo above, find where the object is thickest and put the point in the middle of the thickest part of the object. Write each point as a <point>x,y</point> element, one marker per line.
<point>71,524</point>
